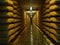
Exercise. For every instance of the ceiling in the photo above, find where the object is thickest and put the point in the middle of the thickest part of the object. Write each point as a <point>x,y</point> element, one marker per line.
<point>34,3</point>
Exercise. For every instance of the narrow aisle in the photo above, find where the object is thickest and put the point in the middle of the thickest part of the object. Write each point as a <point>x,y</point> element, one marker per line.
<point>33,37</point>
<point>31,32</point>
<point>30,36</point>
<point>36,35</point>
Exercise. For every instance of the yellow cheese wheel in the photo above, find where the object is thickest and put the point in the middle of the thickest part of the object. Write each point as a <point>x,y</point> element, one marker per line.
<point>10,8</point>
<point>10,1</point>
<point>52,1</point>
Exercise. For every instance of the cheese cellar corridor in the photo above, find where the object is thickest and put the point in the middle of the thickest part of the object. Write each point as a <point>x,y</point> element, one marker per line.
<point>29,22</point>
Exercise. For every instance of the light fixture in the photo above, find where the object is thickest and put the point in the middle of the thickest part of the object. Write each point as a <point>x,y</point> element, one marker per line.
<point>30,8</point>
<point>31,12</point>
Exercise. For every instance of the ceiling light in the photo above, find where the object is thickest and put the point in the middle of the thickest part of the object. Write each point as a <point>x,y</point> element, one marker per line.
<point>31,8</point>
